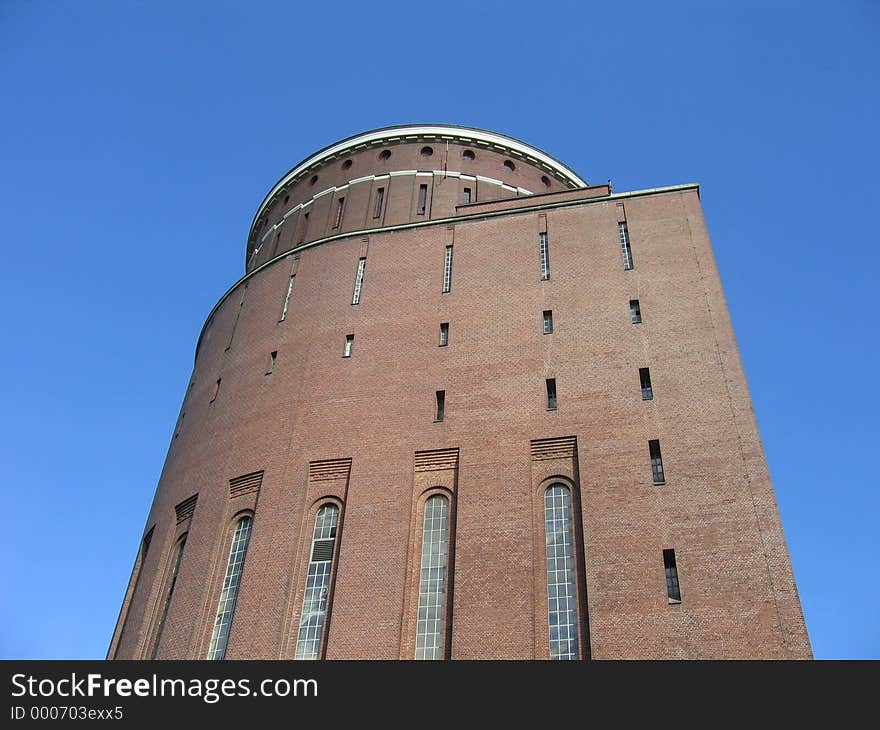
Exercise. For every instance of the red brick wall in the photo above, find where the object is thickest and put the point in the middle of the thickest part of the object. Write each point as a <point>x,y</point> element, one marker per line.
<point>376,408</point>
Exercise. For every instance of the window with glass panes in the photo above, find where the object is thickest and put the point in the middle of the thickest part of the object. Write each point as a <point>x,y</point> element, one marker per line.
<point>167,603</point>
<point>562,612</point>
<point>229,593</point>
<point>645,382</point>
<point>447,270</point>
<point>656,461</point>
<point>359,280</point>
<point>673,590</point>
<point>431,620</point>
<point>313,618</point>
<point>635,311</point>
<point>625,248</point>
<point>545,256</point>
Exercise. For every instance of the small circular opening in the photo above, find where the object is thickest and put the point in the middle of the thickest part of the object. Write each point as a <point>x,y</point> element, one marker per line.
<point>346,164</point>
<point>313,180</point>
<point>545,180</point>
<point>427,151</point>
<point>286,200</point>
<point>468,155</point>
<point>384,154</point>
<point>509,165</point>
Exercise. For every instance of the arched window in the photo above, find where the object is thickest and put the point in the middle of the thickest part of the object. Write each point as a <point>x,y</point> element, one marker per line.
<point>431,623</point>
<point>132,587</point>
<point>229,594</point>
<point>171,581</point>
<point>314,609</point>
<point>562,612</point>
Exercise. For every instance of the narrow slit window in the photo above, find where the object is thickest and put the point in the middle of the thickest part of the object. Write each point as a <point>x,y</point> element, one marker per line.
<point>656,461</point>
<point>444,334</point>
<point>625,248</point>
<point>167,604</point>
<point>340,208</point>
<point>548,321</point>
<point>467,195</point>
<point>229,594</point>
<point>551,394</point>
<point>270,366</point>
<point>545,257</point>
<point>359,280</point>
<point>673,590</point>
<point>287,298</point>
<point>423,199</point>
<point>237,317</point>
<point>380,199</point>
<point>440,413</point>
<point>562,610</point>
<point>447,271</point>
<point>635,311</point>
<point>216,390</point>
<point>305,228</point>
<point>431,621</point>
<point>313,618</point>
<point>645,382</point>
<point>349,343</point>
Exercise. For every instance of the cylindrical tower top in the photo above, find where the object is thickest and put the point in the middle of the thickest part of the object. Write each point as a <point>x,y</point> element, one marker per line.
<point>399,174</point>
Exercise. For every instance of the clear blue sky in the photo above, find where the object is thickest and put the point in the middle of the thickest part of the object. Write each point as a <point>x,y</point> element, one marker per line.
<point>137,139</point>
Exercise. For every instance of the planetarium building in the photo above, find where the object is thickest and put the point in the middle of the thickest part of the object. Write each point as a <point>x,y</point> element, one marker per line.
<point>465,405</point>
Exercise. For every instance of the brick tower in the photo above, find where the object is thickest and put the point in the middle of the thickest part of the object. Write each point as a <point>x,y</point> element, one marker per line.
<point>464,405</point>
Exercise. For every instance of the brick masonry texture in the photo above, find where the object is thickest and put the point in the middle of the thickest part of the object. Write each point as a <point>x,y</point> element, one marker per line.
<point>321,427</point>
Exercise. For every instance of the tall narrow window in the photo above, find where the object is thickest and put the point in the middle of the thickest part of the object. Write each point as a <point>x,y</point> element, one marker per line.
<point>287,298</point>
<point>340,207</point>
<point>625,249</point>
<point>216,390</point>
<point>635,311</point>
<point>380,199</point>
<point>656,461</point>
<point>431,624</point>
<point>551,394</point>
<point>440,413</point>
<point>270,366</point>
<point>673,591</point>
<point>467,195</point>
<point>423,199</point>
<point>444,334</point>
<point>447,271</point>
<point>349,343</point>
<point>545,257</point>
<point>645,381</point>
<point>237,316</point>
<point>359,280</point>
<point>172,580</point>
<point>229,594</point>
<point>305,228</point>
<point>133,584</point>
<point>562,612</point>
<point>548,321</point>
<point>314,610</point>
